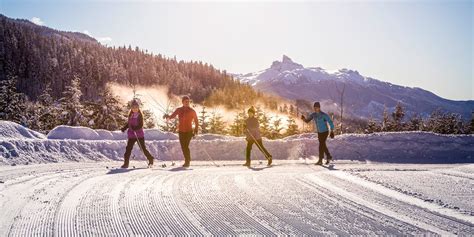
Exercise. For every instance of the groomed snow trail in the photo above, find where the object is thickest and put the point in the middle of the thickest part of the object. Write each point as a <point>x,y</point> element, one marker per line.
<point>290,198</point>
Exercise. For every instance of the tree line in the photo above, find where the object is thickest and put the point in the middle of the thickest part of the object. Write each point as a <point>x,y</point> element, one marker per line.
<point>41,58</point>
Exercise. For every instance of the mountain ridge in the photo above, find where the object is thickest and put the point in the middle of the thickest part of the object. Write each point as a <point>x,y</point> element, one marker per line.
<point>365,96</point>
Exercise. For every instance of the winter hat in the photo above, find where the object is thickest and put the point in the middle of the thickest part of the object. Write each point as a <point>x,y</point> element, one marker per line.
<point>316,104</point>
<point>251,110</point>
<point>135,103</point>
<point>185,98</point>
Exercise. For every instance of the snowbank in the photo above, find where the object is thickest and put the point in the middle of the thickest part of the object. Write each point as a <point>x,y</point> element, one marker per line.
<point>19,145</point>
<point>13,130</point>
<point>84,133</point>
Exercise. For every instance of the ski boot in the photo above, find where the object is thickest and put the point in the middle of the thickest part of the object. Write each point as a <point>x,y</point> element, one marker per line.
<point>150,164</point>
<point>320,162</point>
<point>247,164</point>
<point>124,166</point>
<point>328,159</point>
<point>269,160</point>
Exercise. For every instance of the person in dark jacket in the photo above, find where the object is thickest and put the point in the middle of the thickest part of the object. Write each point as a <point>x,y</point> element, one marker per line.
<point>252,132</point>
<point>321,121</point>
<point>186,117</point>
<point>135,133</point>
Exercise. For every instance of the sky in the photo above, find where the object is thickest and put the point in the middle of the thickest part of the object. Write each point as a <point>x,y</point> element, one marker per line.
<point>426,44</point>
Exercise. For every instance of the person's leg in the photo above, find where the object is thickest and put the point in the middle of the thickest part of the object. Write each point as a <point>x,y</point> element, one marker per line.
<point>263,149</point>
<point>188,138</point>
<point>248,151</point>
<point>184,140</point>
<point>128,152</point>
<point>323,142</point>
<point>321,147</point>
<point>145,150</point>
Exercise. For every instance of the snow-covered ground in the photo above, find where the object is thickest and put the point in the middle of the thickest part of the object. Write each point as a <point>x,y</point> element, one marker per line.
<point>290,198</point>
<point>66,183</point>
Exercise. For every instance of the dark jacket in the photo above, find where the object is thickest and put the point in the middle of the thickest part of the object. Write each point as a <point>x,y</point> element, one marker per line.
<point>252,129</point>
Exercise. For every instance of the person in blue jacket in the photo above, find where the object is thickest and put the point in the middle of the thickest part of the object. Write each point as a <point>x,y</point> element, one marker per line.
<point>321,121</point>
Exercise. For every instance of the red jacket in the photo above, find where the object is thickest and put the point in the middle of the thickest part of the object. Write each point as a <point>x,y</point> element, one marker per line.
<point>186,115</point>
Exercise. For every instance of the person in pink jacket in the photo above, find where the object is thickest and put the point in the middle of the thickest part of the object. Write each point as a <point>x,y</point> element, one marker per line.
<point>135,133</point>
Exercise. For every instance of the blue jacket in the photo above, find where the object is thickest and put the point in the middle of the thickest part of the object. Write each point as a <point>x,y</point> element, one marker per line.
<point>321,121</point>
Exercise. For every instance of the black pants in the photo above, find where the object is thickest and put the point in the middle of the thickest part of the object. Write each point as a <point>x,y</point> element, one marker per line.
<point>322,137</point>
<point>128,151</point>
<point>184,140</point>
<point>260,146</point>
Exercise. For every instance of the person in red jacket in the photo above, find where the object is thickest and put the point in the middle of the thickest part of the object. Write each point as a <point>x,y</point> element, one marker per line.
<point>186,117</point>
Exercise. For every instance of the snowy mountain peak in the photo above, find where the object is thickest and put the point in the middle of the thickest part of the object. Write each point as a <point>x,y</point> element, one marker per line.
<point>286,64</point>
<point>286,59</point>
<point>368,96</point>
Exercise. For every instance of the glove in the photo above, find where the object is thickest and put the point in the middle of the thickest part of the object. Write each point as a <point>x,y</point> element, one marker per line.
<point>165,116</point>
<point>303,117</point>
<point>331,135</point>
<point>123,129</point>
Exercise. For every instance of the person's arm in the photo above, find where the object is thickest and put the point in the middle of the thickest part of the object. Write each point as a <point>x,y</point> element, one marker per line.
<point>196,123</point>
<point>307,120</point>
<point>124,127</point>
<point>329,120</point>
<point>140,123</point>
<point>246,127</point>
<point>173,115</point>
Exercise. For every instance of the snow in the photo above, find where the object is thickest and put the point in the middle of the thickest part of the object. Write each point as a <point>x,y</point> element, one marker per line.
<point>84,133</point>
<point>67,183</point>
<point>291,198</point>
<point>13,130</point>
<point>19,145</point>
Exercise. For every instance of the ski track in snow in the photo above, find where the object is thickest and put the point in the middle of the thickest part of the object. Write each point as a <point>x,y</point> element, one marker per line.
<point>70,199</point>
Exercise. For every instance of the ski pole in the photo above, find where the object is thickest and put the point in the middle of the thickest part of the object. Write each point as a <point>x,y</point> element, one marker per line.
<point>258,145</point>
<point>210,158</point>
<point>159,104</point>
<point>139,145</point>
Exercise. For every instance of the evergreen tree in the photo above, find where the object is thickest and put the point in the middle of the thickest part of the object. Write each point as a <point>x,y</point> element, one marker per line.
<point>444,123</point>
<point>372,126</point>
<point>12,103</point>
<point>415,123</point>
<point>386,123</point>
<point>203,120</point>
<point>216,125</point>
<point>106,112</point>
<point>292,128</point>
<point>264,121</point>
<point>276,129</point>
<point>71,106</point>
<point>148,119</point>
<point>47,110</point>
<point>398,116</point>
<point>237,127</point>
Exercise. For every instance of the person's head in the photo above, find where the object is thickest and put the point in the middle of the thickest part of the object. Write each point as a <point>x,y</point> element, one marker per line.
<point>186,101</point>
<point>135,106</point>
<point>317,107</point>
<point>251,112</point>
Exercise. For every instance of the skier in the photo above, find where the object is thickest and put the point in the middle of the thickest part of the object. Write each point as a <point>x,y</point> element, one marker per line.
<point>321,121</point>
<point>252,131</point>
<point>186,116</point>
<point>135,133</point>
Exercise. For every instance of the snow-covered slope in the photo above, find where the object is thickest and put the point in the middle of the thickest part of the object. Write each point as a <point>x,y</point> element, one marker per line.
<point>84,144</point>
<point>288,199</point>
<point>364,96</point>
